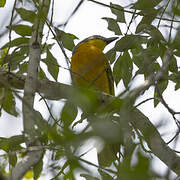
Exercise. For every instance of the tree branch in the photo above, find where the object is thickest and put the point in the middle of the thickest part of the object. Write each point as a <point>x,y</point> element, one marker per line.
<point>29,92</point>
<point>54,90</point>
<point>157,145</point>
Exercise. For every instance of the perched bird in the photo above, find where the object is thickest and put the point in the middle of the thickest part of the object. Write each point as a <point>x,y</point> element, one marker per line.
<point>90,68</point>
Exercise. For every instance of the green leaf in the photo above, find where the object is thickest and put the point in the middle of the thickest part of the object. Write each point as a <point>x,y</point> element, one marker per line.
<point>176,42</point>
<point>52,64</point>
<point>129,42</point>
<point>12,159</point>
<point>105,175</point>
<point>22,30</point>
<point>173,65</point>
<point>152,31</point>
<point>177,86</point>
<point>113,25</point>
<point>12,144</point>
<point>177,53</point>
<point>2,3</point>
<point>141,169</point>
<point>175,77</point>
<point>118,11</point>
<point>16,58</point>
<point>147,19</point>
<point>37,169</point>
<point>42,74</point>
<point>87,100</point>
<point>176,10</point>
<point>8,103</point>
<point>4,144</point>
<point>26,14</point>
<point>161,88</point>
<point>123,69</point>
<point>145,4</point>
<point>67,39</point>
<point>68,113</point>
<point>111,55</point>
<point>145,60</point>
<point>15,141</point>
<point>23,68</point>
<point>16,42</point>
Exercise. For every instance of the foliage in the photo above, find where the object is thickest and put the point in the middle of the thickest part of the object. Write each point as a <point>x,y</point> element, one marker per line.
<point>140,51</point>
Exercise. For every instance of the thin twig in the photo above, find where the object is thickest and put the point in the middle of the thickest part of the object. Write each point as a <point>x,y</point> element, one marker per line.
<point>171,111</point>
<point>130,21</point>
<point>74,11</point>
<point>139,13</point>
<point>97,166</point>
<point>163,13</point>
<point>60,44</point>
<point>174,137</point>
<point>142,102</point>
<point>170,32</point>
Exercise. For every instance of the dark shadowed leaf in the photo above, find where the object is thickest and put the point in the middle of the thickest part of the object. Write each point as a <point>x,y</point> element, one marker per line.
<point>23,68</point>
<point>123,69</point>
<point>141,169</point>
<point>12,159</point>
<point>177,53</point>
<point>8,103</point>
<point>145,4</point>
<point>147,19</point>
<point>175,77</point>
<point>113,25</point>
<point>152,31</point>
<point>15,141</point>
<point>16,58</point>
<point>105,175</point>
<point>161,88</point>
<point>173,65</point>
<point>4,144</point>
<point>129,42</point>
<point>68,113</point>
<point>12,143</point>
<point>37,169</point>
<point>111,55</point>
<point>42,74</point>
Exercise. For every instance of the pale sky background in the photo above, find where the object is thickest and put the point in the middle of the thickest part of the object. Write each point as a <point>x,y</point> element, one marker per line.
<point>86,22</point>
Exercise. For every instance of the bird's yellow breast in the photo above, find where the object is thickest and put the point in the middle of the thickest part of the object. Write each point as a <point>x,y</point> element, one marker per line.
<point>88,67</point>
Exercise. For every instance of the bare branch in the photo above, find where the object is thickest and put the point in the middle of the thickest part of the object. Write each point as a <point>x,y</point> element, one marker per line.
<point>154,141</point>
<point>131,12</point>
<point>54,90</point>
<point>171,111</point>
<point>29,91</point>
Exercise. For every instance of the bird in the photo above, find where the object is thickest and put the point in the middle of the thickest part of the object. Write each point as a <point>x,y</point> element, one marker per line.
<point>90,68</point>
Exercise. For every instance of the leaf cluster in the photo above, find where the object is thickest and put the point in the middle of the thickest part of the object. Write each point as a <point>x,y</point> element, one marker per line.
<point>85,115</point>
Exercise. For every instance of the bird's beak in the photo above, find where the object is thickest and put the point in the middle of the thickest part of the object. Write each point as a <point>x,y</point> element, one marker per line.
<point>111,39</point>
